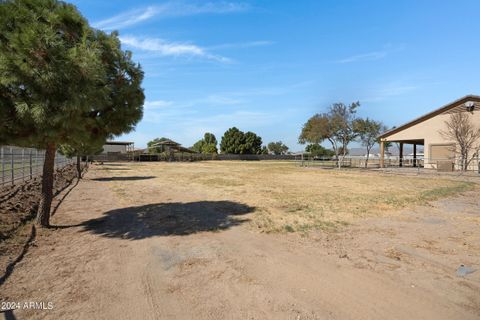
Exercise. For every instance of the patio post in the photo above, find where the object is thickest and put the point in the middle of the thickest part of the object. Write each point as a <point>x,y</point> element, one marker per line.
<point>400,163</point>
<point>382,154</point>
<point>414,154</point>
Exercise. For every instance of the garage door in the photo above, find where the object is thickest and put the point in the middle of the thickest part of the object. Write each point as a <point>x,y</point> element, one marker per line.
<point>442,152</point>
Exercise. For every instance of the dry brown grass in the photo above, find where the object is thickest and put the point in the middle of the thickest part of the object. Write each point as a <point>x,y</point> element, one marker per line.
<point>287,198</point>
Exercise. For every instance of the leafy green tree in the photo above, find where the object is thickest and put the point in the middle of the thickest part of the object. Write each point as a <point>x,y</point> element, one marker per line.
<point>233,141</point>
<point>209,148</point>
<point>61,82</point>
<point>343,123</point>
<point>317,129</point>
<point>81,150</point>
<point>236,142</point>
<point>158,149</point>
<point>207,145</point>
<point>318,150</point>
<point>210,138</point>
<point>277,148</point>
<point>198,146</point>
<point>368,130</point>
<point>336,126</point>
<point>252,144</point>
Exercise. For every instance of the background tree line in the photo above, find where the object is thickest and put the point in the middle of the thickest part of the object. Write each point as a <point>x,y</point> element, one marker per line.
<point>234,141</point>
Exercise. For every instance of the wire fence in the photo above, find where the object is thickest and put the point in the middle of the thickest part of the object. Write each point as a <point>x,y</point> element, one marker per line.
<point>21,164</point>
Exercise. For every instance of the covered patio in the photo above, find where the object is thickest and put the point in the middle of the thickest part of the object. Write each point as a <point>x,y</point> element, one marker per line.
<point>403,160</point>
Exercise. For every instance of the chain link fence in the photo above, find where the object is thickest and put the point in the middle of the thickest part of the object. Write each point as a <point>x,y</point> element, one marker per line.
<point>21,164</point>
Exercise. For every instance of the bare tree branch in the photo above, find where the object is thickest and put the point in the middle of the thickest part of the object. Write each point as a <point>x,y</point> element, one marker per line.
<point>461,130</point>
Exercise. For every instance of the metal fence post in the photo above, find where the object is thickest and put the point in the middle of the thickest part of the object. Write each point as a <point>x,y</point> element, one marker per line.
<point>23,164</point>
<point>3,166</point>
<point>12,165</point>
<point>31,165</point>
<point>36,161</point>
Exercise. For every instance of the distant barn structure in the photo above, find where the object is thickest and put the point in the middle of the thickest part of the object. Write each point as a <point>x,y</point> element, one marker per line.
<point>116,150</point>
<point>117,147</point>
<point>427,130</point>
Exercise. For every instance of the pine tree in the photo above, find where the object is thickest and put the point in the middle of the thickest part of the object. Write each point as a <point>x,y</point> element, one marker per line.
<point>62,82</point>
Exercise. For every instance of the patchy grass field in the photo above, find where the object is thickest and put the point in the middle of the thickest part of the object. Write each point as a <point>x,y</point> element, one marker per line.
<point>224,240</point>
<point>286,198</point>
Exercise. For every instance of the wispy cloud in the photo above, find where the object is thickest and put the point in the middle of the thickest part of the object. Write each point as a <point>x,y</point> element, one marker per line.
<point>241,45</point>
<point>370,56</point>
<point>126,19</point>
<point>166,48</point>
<point>389,90</point>
<point>218,99</point>
<point>169,9</point>
<point>271,91</point>
<point>157,104</point>
<point>373,55</point>
<point>212,100</point>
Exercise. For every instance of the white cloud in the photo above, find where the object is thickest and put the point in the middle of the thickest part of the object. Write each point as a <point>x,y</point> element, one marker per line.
<point>374,55</point>
<point>166,48</point>
<point>208,101</point>
<point>169,9</point>
<point>217,99</point>
<point>157,104</point>
<point>126,19</point>
<point>371,56</point>
<point>242,45</point>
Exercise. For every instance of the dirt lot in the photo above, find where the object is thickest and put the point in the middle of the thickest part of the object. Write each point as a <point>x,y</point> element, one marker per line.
<point>18,206</point>
<point>236,240</point>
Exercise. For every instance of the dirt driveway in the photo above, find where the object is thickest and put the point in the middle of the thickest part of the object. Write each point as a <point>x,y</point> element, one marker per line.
<point>171,253</point>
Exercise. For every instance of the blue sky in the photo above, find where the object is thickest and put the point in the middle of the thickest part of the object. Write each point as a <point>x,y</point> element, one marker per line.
<point>267,66</point>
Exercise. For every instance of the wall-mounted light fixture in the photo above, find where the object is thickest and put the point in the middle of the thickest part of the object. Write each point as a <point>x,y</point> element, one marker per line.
<point>469,106</point>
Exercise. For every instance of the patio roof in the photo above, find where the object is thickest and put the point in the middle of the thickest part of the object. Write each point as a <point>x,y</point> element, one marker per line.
<point>432,114</point>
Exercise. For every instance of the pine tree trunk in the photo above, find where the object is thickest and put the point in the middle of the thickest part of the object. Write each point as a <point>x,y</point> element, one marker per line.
<point>79,168</point>
<point>43,214</point>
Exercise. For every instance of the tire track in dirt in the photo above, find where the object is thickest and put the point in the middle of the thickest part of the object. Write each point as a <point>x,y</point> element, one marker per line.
<point>121,267</point>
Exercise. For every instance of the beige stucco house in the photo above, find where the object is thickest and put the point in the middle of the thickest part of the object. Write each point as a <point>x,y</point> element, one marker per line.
<point>426,131</point>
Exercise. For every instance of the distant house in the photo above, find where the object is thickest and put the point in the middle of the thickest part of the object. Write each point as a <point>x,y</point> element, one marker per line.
<point>426,131</point>
<point>169,146</point>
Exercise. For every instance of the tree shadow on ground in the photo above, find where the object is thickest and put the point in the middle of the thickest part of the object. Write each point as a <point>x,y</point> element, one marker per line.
<point>164,219</point>
<point>129,178</point>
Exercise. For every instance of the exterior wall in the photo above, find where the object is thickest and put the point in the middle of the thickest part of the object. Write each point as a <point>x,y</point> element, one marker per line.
<point>429,131</point>
<point>114,148</point>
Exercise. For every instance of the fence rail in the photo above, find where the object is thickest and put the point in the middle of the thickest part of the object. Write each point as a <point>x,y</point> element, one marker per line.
<point>437,164</point>
<point>21,164</point>
<point>184,156</point>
